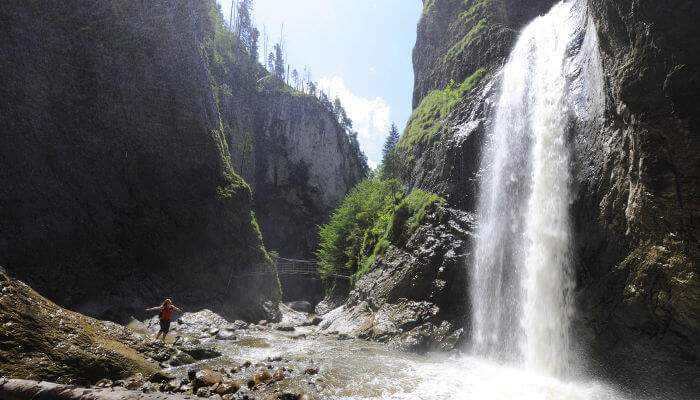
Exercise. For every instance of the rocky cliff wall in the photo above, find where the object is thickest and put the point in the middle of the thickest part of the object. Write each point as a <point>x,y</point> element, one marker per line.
<point>291,149</point>
<point>638,200</point>
<point>305,163</point>
<point>117,186</point>
<point>636,173</point>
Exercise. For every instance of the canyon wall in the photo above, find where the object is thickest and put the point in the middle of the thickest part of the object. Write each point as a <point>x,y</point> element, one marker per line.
<point>118,188</point>
<point>636,171</point>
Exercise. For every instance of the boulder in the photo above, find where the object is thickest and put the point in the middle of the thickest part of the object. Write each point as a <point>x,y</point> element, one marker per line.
<point>303,306</point>
<point>226,335</point>
<point>206,377</point>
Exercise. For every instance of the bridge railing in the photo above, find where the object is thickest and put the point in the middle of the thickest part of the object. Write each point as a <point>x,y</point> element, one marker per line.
<point>290,266</point>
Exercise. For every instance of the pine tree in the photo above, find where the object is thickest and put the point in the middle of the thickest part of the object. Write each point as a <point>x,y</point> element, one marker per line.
<point>253,49</point>
<point>391,160</point>
<point>295,78</point>
<point>271,63</point>
<point>244,23</point>
<point>279,61</point>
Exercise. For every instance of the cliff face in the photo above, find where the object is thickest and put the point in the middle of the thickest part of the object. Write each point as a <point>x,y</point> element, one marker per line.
<point>636,202</point>
<point>295,155</point>
<point>304,165</point>
<point>117,185</point>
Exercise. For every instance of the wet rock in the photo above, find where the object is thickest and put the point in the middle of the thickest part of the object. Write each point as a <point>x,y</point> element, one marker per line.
<point>213,331</point>
<point>170,386</point>
<point>303,306</point>
<point>244,393</point>
<point>201,353</point>
<point>160,377</point>
<point>181,358</point>
<point>285,328</point>
<point>206,377</point>
<point>149,387</point>
<point>238,324</point>
<point>119,383</point>
<point>226,335</point>
<point>311,370</point>
<point>278,375</point>
<point>187,388</point>
<point>246,364</point>
<point>203,392</point>
<point>227,388</point>
<point>104,383</point>
<point>262,377</point>
<point>132,385</point>
<point>262,322</point>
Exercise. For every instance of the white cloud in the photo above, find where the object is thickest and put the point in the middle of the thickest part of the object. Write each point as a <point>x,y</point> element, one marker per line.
<point>370,118</point>
<point>371,70</point>
<point>372,164</point>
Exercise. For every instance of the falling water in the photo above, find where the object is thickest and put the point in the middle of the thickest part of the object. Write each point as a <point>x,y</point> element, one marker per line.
<point>522,283</point>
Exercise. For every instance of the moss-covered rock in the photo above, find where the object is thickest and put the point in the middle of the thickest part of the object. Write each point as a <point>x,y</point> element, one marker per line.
<point>43,341</point>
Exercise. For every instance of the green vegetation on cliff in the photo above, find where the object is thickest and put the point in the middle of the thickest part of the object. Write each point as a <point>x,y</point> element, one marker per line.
<point>371,218</point>
<point>429,117</point>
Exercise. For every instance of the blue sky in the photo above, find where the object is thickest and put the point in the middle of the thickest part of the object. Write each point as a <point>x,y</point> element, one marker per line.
<point>359,50</point>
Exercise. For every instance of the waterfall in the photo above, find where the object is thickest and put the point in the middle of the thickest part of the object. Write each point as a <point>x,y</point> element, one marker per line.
<point>522,283</point>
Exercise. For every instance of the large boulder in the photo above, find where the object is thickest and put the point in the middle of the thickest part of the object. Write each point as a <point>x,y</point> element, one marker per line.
<point>43,341</point>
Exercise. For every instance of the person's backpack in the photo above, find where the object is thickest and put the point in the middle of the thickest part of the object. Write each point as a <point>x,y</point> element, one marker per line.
<point>160,314</point>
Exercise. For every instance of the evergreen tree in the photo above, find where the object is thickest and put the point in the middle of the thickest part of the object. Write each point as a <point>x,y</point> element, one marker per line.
<point>391,160</point>
<point>295,78</point>
<point>271,63</point>
<point>337,107</point>
<point>244,23</point>
<point>279,62</point>
<point>253,49</point>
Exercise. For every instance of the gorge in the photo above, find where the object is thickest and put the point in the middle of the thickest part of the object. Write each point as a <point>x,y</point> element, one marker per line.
<point>537,242</point>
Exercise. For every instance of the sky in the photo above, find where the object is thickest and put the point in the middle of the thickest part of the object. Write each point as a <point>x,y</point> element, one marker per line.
<point>359,50</point>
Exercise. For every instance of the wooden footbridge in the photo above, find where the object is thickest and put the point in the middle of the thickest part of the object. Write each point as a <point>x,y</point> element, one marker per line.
<point>290,266</point>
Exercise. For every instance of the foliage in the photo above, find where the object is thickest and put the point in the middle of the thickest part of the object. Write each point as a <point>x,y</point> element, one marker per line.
<point>455,51</point>
<point>342,239</point>
<point>370,219</point>
<point>428,118</point>
<point>391,158</point>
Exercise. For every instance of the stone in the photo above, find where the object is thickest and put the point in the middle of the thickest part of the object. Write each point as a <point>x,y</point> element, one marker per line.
<point>213,331</point>
<point>104,382</point>
<point>201,353</point>
<point>160,377</point>
<point>311,370</point>
<point>303,306</point>
<point>203,392</point>
<point>181,358</point>
<point>262,377</point>
<point>206,377</point>
<point>285,328</point>
<point>226,335</point>
<point>238,324</point>
<point>149,387</point>
<point>227,387</point>
<point>132,385</point>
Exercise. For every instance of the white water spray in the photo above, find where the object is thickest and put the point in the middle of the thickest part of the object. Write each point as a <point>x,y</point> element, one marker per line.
<point>522,283</point>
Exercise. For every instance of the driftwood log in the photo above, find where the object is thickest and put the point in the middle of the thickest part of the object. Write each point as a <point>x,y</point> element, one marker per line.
<point>22,389</point>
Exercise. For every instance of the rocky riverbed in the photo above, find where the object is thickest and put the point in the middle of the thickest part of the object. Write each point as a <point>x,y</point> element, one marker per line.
<point>296,359</point>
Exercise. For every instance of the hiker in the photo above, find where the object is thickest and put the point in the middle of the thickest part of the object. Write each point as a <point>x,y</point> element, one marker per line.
<point>166,314</point>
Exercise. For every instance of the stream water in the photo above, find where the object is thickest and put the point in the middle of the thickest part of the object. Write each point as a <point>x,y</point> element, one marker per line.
<point>522,282</point>
<point>357,369</point>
